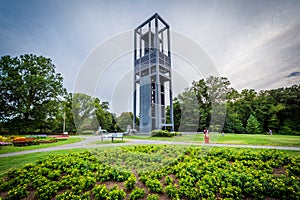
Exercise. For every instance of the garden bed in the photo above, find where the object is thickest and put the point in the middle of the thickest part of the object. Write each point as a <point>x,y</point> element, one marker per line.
<point>30,140</point>
<point>5,143</point>
<point>158,172</point>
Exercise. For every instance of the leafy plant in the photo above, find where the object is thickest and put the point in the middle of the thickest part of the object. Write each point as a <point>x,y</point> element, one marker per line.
<point>163,133</point>
<point>154,185</point>
<point>100,192</point>
<point>253,126</point>
<point>168,180</point>
<point>116,194</point>
<point>33,87</point>
<point>130,182</point>
<point>153,197</point>
<point>46,191</point>
<point>137,193</point>
<point>68,195</point>
<point>172,191</point>
<point>17,193</point>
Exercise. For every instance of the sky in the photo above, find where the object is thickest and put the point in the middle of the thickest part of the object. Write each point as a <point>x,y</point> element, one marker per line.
<point>254,43</point>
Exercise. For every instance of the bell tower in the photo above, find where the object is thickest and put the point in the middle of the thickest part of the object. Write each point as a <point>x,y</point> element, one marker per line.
<point>152,74</point>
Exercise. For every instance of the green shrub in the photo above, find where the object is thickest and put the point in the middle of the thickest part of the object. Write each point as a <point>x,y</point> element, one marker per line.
<point>154,185</point>
<point>137,193</point>
<point>286,130</point>
<point>160,133</point>
<point>46,191</point>
<point>164,133</point>
<point>87,183</point>
<point>172,191</point>
<point>233,192</point>
<point>17,193</point>
<point>153,197</point>
<point>68,195</point>
<point>168,180</point>
<point>130,182</point>
<point>86,196</point>
<point>100,192</point>
<point>54,175</point>
<point>6,185</point>
<point>143,179</point>
<point>116,194</point>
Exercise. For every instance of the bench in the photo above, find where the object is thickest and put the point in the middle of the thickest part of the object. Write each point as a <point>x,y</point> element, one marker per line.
<point>112,136</point>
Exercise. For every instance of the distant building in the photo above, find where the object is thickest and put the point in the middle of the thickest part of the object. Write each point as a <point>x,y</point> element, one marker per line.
<point>152,74</point>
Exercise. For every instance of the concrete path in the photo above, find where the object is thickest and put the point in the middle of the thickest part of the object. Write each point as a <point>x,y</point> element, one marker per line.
<point>89,142</point>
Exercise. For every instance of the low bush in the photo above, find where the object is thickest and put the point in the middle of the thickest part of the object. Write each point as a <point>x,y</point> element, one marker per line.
<point>153,197</point>
<point>154,185</point>
<point>137,193</point>
<point>130,182</point>
<point>168,180</point>
<point>68,195</point>
<point>17,193</point>
<point>100,192</point>
<point>116,194</point>
<point>164,133</point>
<point>172,191</point>
<point>5,139</point>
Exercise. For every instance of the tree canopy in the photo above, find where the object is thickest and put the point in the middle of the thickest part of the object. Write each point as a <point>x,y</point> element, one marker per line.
<point>125,120</point>
<point>30,92</point>
<point>213,103</point>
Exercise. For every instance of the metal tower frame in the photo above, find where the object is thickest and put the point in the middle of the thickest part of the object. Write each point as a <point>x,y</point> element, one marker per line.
<point>152,74</point>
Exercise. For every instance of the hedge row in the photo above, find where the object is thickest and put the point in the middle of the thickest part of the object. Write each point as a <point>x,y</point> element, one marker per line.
<point>164,133</point>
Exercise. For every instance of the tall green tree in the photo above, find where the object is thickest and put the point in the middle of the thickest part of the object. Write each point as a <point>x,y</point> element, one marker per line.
<point>65,117</point>
<point>68,113</point>
<point>125,120</point>
<point>253,126</point>
<point>218,89</point>
<point>202,105</point>
<point>233,124</point>
<point>30,92</point>
<point>189,108</point>
<point>104,116</point>
<point>273,119</point>
<point>284,114</point>
<point>200,89</point>
<point>245,104</point>
<point>84,112</point>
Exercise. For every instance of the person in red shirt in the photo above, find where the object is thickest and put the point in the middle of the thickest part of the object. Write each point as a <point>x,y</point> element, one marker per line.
<point>206,136</point>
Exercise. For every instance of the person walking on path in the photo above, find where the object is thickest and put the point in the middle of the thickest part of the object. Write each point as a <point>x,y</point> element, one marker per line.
<point>270,131</point>
<point>206,136</point>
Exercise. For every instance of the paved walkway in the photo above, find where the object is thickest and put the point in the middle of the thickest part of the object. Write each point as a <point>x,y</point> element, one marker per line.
<point>90,142</point>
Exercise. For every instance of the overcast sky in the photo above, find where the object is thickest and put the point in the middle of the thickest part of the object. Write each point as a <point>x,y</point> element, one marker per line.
<point>256,44</point>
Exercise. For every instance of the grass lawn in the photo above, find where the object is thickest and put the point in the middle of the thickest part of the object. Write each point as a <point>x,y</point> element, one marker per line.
<point>246,139</point>
<point>266,140</point>
<point>11,148</point>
